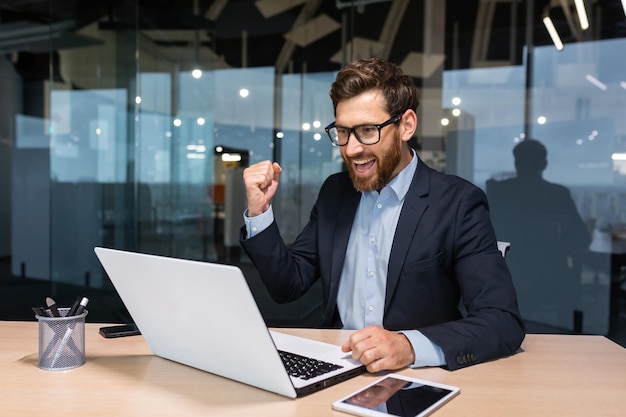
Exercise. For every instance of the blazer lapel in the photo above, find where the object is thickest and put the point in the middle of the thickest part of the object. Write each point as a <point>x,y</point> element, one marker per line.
<point>346,210</point>
<point>412,210</point>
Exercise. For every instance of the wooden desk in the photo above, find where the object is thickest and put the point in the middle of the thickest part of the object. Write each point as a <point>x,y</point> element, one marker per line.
<point>555,375</point>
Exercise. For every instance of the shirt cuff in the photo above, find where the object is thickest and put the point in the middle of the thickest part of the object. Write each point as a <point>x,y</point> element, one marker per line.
<point>256,224</point>
<point>426,352</point>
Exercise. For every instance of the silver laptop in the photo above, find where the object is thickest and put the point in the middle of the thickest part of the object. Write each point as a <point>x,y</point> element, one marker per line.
<point>203,315</point>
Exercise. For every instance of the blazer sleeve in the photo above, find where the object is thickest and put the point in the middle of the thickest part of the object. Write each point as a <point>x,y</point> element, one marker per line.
<point>286,275</point>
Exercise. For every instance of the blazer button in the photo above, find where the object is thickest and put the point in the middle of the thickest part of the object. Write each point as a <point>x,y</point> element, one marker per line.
<point>472,357</point>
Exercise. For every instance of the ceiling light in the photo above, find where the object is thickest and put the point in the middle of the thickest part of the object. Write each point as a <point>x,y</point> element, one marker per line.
<point>556,39</point>
<point>593,80</point>
<point>582,14</point>
<point>231,157</point>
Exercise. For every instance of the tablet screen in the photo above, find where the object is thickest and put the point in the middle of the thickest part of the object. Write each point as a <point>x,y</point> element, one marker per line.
<point>397,396</point>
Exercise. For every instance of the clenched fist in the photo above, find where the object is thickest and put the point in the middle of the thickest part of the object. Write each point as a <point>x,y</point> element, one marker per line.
<point>261,182</point>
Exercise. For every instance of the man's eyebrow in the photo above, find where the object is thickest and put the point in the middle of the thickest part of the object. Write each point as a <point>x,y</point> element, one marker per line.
<point>357,125</point>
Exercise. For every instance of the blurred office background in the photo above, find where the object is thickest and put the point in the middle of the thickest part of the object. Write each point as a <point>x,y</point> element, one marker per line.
<point>127,124</point>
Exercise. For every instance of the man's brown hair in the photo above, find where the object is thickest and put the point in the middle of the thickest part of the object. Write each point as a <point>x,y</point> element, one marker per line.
<point>363,75</point>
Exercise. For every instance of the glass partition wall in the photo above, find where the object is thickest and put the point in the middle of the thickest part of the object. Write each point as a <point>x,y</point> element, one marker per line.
<point>131,123</point>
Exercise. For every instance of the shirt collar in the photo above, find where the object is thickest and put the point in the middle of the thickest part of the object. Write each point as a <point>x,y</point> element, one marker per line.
<point>401,182</point>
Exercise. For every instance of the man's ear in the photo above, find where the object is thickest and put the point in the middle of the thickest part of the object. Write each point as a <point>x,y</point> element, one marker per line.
<point>408,125</point>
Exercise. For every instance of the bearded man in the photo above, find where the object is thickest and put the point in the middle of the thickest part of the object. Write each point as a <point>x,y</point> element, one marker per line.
<point>407,256</point>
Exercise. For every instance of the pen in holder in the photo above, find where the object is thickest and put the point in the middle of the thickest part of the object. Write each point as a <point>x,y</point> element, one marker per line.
<point>61,340</point>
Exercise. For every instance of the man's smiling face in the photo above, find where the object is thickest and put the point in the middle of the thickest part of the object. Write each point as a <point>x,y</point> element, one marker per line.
<point>371,167</point>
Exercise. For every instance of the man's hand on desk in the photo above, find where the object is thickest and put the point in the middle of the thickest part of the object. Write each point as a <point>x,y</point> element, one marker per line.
<point>379,349</point>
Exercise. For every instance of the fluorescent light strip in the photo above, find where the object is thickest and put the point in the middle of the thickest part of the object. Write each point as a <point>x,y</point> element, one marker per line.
<point>231,157</point>
<point>582,14</point>
<point>593,80</point>
<point>619,156</point>
<point>556,39</point>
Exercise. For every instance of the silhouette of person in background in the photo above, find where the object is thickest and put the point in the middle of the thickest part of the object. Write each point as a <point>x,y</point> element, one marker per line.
<point>547,235</point>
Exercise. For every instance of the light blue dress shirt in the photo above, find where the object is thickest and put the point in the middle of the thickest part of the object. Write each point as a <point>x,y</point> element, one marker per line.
<point>361,297</point>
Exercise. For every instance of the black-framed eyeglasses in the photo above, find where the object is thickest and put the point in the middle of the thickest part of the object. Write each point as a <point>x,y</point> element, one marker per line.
<point>366,134</point>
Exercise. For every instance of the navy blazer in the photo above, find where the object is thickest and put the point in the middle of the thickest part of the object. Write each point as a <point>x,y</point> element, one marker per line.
<point>444,255</point>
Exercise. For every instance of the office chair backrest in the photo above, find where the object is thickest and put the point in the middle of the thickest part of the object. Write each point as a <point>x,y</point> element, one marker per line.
<point>503,247</point>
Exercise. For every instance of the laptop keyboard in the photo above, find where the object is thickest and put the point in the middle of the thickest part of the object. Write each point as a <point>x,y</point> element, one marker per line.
<point>305,368</point>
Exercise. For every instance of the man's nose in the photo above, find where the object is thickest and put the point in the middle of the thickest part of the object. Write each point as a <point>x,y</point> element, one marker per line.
<point>353,147</point>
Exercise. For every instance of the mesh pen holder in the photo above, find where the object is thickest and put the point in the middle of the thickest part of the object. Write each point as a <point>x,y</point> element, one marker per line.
<point>61,341</point>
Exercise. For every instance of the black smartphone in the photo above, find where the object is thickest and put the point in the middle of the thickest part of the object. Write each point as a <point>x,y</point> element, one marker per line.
<point>119,331</point>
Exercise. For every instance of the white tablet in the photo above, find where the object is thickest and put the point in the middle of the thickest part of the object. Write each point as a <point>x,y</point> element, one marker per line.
<point>397,395</point>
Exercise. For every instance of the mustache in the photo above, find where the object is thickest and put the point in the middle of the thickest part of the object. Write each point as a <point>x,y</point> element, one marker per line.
<point>361,156</point>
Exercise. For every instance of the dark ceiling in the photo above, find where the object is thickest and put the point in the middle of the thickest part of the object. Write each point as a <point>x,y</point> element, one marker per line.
<point>253,33</point>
